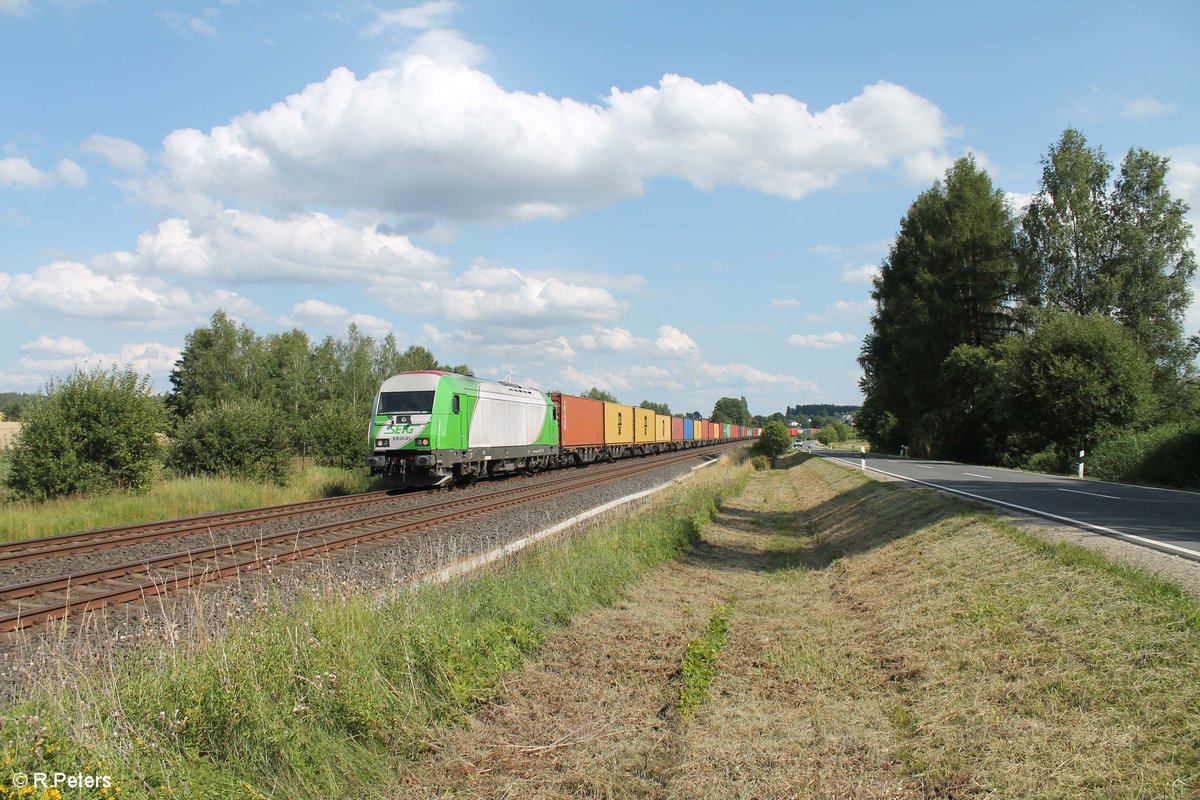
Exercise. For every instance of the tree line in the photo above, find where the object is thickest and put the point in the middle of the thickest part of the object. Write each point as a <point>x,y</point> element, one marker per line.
<point>1023,338</point>
<point>240,405</point>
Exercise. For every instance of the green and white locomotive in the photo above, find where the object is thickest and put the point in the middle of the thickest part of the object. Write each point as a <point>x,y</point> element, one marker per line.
<point>432,427</point>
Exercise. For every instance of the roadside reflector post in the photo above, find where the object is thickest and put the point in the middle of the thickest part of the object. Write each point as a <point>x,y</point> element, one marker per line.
<point>1081,454</point>
<point>863,461</point>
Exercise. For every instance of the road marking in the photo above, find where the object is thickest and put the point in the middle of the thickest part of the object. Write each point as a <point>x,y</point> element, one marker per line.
<point>1091,494</point>
<point>977,475</point>
<point>923,466</point>
<point>1183,551</point>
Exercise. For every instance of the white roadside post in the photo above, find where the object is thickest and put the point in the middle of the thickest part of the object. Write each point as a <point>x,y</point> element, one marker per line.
<point>1081,453</point>
<point>863,460</point>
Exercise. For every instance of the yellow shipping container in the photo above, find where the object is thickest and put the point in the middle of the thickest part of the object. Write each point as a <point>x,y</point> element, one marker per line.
<point>618,424</point>
<point>662,428</point>
<point>643,429</point>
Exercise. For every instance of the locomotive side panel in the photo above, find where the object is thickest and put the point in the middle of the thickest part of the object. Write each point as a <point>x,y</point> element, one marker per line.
<point>508,416</point>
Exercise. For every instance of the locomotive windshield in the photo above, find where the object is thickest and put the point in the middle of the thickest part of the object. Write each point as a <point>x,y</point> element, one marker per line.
<point>405,403</point>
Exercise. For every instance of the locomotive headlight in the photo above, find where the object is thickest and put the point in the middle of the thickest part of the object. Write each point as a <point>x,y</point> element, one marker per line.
<point>381,442</point>
<point>422,443</point>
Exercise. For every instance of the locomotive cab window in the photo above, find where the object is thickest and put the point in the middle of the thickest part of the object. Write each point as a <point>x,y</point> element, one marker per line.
<point>405,403</point>
<point>455,405</point>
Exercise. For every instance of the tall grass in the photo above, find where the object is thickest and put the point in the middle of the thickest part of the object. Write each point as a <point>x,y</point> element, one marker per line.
<point>1168,455</point>
<point>321,699</point>
<point>176,497</point>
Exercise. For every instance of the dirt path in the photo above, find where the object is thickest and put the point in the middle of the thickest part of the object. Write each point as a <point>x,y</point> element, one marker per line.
<point>881,645</point>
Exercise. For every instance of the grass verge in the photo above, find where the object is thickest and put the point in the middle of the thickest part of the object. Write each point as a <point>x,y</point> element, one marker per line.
<point>888,642</point>
<point>171,498</point>
<point>323,699</point>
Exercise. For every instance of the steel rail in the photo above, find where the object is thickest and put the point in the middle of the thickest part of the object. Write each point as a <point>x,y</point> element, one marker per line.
<point>442,513</point>
<point>22,550</point>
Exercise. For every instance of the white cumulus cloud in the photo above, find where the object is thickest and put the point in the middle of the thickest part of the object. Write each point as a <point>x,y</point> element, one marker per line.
<point>58,346</point>
<point>864,274</point>
<point>820,341</point>
<point>329,316</point>
<point>71,173</point>
<point>610,340</point>
<point>434,135</point>
<point>20,172</point>
<point>16,171</point>
<point>239,246</point>
<point>675,342</point>
<point>495,296</point>
<point>576,381</point>
<point>121,153</point>
<point>841,309</point>
<point>431,14</point>
<point>71,289</point>
<point>147,358</point>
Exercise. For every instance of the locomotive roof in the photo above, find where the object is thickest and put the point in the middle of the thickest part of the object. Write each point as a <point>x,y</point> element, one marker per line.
<point>470,378</point>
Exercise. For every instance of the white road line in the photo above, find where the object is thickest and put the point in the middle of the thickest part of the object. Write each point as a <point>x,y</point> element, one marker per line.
<point>1183,551</point>
<point>1091,494</point>
<point>923,466</point>
<point>977,475</point>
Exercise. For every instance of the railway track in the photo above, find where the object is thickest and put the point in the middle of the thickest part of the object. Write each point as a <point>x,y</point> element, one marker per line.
<point>33,602</point>
<point>25,550</point>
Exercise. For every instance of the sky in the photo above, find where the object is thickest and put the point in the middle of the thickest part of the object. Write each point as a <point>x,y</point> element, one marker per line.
<point>671,201</point>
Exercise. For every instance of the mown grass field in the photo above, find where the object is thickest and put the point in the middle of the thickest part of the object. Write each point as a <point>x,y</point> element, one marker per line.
<point>877,642</point>
<point>170,498</point>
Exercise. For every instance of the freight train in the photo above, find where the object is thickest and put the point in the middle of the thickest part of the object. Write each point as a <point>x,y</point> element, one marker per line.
<point>431,428</point>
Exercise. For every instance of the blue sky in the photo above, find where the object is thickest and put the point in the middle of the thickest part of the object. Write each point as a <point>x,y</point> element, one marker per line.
<point>673,201</point>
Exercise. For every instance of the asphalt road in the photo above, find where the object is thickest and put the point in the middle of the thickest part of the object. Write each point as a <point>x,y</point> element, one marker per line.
<point>1165,519</point>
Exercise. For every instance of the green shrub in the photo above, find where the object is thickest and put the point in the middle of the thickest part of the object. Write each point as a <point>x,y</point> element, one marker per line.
<point>1049,461</point>
<point>1168,455</point>
<point>833,433</point>
<point>239,439</point>
<point>338,436</point>
<point>95,432</point>
<point>775,440</point>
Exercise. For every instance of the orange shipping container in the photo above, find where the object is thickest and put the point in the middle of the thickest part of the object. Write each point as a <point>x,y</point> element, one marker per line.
<point>580,419</point>
<point>618,424</point>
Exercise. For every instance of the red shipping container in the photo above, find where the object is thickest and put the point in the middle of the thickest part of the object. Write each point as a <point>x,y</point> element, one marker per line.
<point>580,420</point>
<point>676,429</point>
